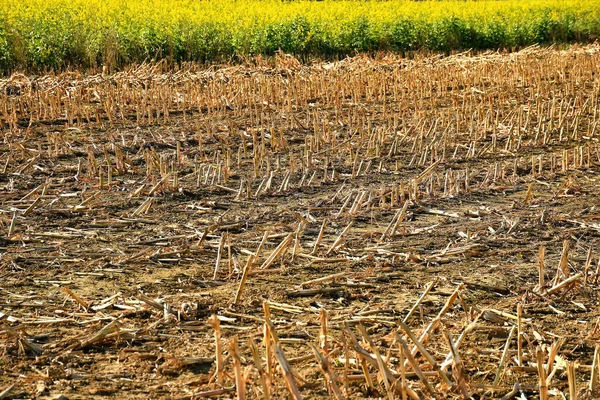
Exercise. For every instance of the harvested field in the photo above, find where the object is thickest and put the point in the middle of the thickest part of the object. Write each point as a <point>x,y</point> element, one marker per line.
<point>423,228</point>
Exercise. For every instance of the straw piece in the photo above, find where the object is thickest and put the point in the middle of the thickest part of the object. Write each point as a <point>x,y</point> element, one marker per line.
<point>543,386</point>
<point>240,382</point>
<point>339,239</point>
<point>288,374</point>
<point>216,325</point>
<point>238,293</point>
<point>457,366</point>
<point>385,372</point>
<point>425,353</point>
<point>278,251</point>
<point>595,373</point>
<point>504,356</point>
<point>262,375</point>
<point>330,376</point>
<point>419,301</point>
<point>411,360</point>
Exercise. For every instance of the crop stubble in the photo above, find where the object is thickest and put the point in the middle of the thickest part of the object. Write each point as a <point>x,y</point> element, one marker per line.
<point>365,227</point>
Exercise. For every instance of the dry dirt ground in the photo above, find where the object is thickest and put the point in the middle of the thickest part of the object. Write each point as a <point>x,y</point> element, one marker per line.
<point>372,205</point>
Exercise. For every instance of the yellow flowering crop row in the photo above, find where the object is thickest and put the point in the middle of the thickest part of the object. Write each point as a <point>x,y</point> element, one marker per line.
<point>43,34</point>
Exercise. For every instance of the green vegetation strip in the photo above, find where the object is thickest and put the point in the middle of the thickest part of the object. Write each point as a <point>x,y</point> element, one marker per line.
<point>55,34</point>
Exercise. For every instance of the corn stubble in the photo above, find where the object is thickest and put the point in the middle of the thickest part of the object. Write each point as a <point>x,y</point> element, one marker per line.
<point>343,185</point>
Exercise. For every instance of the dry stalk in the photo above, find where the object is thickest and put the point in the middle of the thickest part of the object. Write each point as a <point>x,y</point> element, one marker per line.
<point>385,372</point>
<point>238,293</point>
<point>565,283</point>
<point>563,270</point>
<point>216,325</point>
<point>460,339</point>
<point>240,382</point>
<point>4,394</point>
<point>219,252</point>
<point>588,264</point>
<point>78,299</point>
<point>319,237</point>
<point>142,209</point>
<point>502,364</point>
<point>346,363</point>
<point>595,373</point>
<point>330,377</point>
<point>297,237</point>
<point>389,227</point>
<point>502,314</point>
<point>436,321</point>
<point>572,380</point>
<point>261,245</point>
<point>278,251</point>
<point>425,353</point>
<point>541,268</point>
<point>324,279</point>
<point>552,353</point>
<point>288,373</point>
<point>112,327</point>
<point>419,301</point>
<point>520,334</point>
<point>426,172</point>
<point>11,227</point>
<point>543,386</point>
<point>362,358</point>
<point>457,366</point>
<point>415,365</point>
<point>137,191</point>
<point>159,184</point>
<point>34,191</point>
<point>153,303</point>
<point>323,317</point>
<point>262,375</point>
<point>402,372</point>
<point>339,239</point>
<point>528,195</point>
<point>87,200</point>
<point>209,393</point>
<point>400,218</point>
<point>268,351</point>
<point>395,222</point>
<point>32,207</point>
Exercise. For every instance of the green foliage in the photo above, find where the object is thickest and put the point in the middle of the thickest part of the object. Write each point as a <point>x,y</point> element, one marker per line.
<point>57,34</point>
<point>6,55</point>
